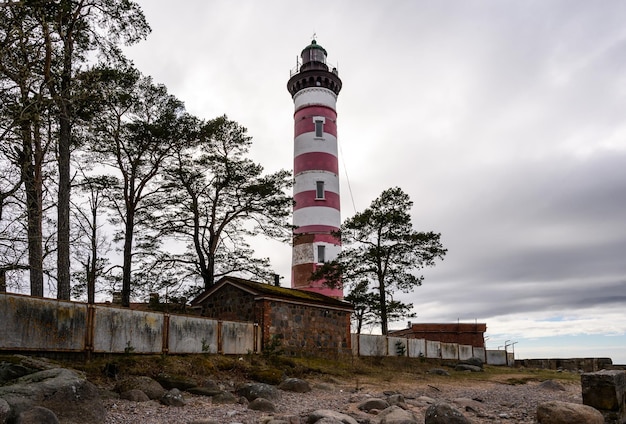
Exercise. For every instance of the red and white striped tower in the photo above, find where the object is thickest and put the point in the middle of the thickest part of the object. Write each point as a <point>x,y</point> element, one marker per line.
<point>314,89</point>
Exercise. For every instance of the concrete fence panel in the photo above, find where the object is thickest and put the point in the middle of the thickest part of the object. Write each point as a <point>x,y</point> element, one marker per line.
<point>192,335</point>
<point>496,357</point>
<point>354,339</point>
<point>32,323</point>
<point>449,351</point>
<point>397,346</point>
<point>479,352</point>
<point>416,347</point>
<point>465,352</point>
<point>119,330</point>
<point>433,349</point>
<point>372,345</point>
<point>238,337</point>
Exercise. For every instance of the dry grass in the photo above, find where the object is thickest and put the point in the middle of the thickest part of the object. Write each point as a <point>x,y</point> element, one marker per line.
<point>349,371</point>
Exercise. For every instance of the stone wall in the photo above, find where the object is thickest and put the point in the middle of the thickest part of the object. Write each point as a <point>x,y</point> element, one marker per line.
<point>570,364</point>
<point>231,304</point>
<point>304,328</point>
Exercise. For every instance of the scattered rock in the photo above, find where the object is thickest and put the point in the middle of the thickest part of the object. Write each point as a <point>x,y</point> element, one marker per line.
<point>150,387</point>
<point>444,413</point>
<point>477,362</point>
<point>551,385</point>
<point>134,395</point>
<point>260,404</point>
<point>373,403</point>
<point>396,415</point>
<point>439,371</point>
<point>295,385</point>
<point>467,367</point>
<point>175,382</point>
<point>37,415</point>
<point>204,391</point>
<point>316,416</point>
<point>252,391</point>
<point>225,397</point>
<point>468,404</point>
<point>173,397</point>
<point>395,399</point>
<point>556,412</point>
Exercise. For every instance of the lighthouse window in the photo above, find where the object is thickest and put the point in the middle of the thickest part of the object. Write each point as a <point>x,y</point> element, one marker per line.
<point>319,189</point>
<point>321,254</point>
<point>319,122</point>
<point>319,129</point>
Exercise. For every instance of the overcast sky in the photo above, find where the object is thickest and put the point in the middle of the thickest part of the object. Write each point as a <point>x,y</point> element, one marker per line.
<point>504,121</point>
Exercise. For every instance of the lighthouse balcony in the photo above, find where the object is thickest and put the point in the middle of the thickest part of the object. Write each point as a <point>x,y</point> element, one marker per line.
<point>320,66</point>
<point>314,78</point>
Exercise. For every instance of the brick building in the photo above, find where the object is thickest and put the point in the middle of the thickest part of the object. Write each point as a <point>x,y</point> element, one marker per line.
<point>304,321</point>
<point>461,333</point>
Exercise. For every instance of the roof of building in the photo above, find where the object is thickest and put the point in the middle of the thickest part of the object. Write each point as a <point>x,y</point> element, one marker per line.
<point>453,327</point>
<point>314,45</point>
<point>269,290</point>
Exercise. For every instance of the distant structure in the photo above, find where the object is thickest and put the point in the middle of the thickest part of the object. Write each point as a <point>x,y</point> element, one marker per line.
<point>316,214</point>
<point>303,321</point>
<point>460,333</point>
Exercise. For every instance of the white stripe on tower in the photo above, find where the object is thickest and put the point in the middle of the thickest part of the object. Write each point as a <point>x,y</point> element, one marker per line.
<point>316,213</point>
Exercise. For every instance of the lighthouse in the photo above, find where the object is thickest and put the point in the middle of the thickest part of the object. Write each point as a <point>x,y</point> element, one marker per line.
<point>314,88</point>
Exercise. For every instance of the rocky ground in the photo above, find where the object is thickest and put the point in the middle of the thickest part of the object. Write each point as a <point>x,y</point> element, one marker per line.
<point>480,401</point>
<point>214,389</point>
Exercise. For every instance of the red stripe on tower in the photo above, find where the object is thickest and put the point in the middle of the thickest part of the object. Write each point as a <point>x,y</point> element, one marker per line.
<point>316,217</point>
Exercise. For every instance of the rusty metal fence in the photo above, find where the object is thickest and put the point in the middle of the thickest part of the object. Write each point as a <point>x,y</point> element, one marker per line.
<point>31,323</point>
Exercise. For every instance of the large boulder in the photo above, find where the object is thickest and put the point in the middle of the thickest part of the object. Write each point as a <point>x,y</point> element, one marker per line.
<point>9,371</point>
<point>605,391</point>
<point>65,392</point>
<point>150,387</point>
<point>444,413</point>
<point>5,411</point>
<point>557,412</point>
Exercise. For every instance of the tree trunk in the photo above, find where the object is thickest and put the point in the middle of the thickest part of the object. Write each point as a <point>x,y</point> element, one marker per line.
<point>93,261</point>
<point>127,257</point>
<point>209,273</point>
<point>3,281</point>
<point>383,309</point>
<point>31,175</point>
<point>63,206</point>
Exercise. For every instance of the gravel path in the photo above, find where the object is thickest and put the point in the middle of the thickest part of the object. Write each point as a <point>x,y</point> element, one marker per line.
<point>480,401</point>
